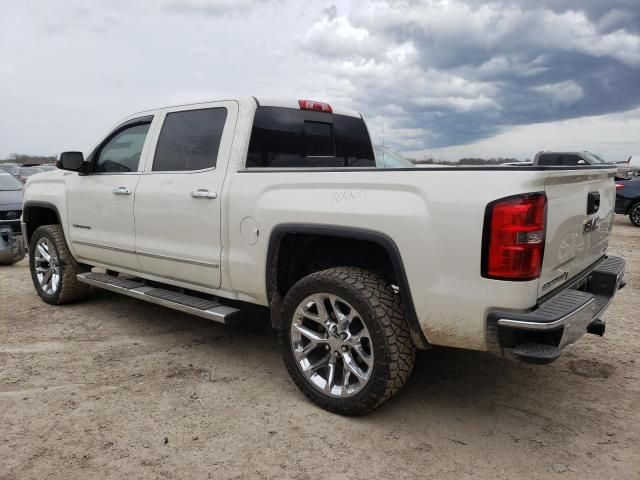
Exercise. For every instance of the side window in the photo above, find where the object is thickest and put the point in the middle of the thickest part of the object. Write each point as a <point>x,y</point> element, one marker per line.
<point>122,152</point>
<point>190,140</point>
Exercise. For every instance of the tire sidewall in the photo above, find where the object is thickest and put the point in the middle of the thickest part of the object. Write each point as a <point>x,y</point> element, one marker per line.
<point>42,232</point>
<point>634,207</point>
<point>375,388</point>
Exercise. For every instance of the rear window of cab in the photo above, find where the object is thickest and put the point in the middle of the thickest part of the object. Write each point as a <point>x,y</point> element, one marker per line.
<point>290,138</point>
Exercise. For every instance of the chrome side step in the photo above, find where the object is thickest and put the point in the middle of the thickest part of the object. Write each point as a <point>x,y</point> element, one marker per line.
<point>208,309</point>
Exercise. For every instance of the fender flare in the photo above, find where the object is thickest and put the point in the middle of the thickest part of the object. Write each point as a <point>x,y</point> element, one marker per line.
<point>35,203</point>
<point>372,236</point>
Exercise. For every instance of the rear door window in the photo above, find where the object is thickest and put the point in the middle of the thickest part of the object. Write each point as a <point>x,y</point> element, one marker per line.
<point>189,140</point>
<point>286,137</point>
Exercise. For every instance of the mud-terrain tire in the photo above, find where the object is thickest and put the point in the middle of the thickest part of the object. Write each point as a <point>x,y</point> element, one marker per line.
<point>67,288</point>
<point>380,326</point>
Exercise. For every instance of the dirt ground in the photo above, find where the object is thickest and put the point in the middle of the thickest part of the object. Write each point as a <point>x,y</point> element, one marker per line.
<point>117,388</point>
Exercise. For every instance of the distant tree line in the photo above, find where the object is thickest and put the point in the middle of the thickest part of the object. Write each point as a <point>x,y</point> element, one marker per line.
<point>22,158</point>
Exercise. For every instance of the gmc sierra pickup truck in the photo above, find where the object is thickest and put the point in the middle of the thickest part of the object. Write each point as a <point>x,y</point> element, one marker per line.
<point>208,207</point>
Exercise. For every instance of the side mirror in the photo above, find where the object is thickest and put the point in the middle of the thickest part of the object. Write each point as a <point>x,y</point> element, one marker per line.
<point>72,161</point>
<point>581,162</point>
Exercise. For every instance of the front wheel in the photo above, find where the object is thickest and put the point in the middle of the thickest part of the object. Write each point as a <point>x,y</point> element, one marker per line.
<point>53,269</point>
<point>345,341</point>
<point>634,214</point>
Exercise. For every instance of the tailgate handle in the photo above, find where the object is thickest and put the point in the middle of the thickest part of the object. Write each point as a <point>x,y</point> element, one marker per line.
<point>593,202</point>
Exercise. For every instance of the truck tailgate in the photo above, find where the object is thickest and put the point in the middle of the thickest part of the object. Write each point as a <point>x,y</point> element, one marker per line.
<point>580,213</point>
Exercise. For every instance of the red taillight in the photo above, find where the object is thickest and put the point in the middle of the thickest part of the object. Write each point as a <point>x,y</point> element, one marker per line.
<point>318,106</point>
<point>619,186</point>
<point>514,236</point>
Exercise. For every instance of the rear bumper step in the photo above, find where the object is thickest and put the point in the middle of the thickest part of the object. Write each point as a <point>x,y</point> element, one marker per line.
<point>539,335</point>
<point>209,309</point>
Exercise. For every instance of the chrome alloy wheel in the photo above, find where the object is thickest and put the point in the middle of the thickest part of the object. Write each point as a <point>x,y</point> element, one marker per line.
<point>635,214</point>
<point>47,266</point>
<point>332,345</point>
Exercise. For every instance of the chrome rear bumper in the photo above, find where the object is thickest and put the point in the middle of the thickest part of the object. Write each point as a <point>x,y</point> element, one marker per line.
<point>539,335</point>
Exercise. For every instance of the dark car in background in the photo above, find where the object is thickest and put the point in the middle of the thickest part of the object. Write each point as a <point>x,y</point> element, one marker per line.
<point>577,159</point>
<point>628,199</point>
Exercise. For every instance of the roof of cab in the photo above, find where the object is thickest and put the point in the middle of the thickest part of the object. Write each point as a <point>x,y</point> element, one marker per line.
<point>259,101</point>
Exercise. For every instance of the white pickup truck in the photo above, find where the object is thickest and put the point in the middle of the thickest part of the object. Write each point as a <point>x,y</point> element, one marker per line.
<point>206,208</point>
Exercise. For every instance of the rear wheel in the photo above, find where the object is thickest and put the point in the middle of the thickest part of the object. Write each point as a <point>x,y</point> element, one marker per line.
<point>345,341</point>
<point>634,214</point>
<point>53,269</point>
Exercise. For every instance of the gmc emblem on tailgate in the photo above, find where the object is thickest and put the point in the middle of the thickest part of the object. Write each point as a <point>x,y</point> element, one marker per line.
<point>591,225</point>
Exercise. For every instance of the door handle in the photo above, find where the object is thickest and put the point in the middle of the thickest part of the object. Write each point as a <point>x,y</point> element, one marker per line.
<point>204,193</point>
<point>121,191</point>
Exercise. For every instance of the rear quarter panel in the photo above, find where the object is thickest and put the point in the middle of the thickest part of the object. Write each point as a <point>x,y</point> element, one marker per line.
<point>435,217</point>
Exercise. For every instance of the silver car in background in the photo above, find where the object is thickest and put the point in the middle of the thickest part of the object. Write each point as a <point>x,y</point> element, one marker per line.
<point>11,245</point>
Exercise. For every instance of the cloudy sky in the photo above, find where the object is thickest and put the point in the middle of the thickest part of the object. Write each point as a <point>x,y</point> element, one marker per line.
<point>448,78</point>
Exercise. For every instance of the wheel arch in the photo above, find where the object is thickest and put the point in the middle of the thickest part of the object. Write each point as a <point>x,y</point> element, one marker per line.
<point>36,214</point>
<point>273,271</point>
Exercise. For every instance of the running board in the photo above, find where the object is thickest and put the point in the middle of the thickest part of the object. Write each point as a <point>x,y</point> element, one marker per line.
<point>208,309</point>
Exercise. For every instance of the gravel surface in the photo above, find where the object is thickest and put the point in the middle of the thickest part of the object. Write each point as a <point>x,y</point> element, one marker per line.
<point>117,388</point>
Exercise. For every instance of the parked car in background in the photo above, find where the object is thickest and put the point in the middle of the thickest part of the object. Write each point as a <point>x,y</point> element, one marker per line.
<point>634,161</point>
<point>628,200</point>
<point>11,168</point>
<point>22,172</point>
<point>577,159</point>
<point>25,172</point>
<point>11,244</point>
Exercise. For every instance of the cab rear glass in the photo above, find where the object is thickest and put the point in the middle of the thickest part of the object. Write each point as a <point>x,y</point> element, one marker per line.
<point>291,138</point>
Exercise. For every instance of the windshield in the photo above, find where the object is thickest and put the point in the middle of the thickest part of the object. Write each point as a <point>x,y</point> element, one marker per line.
<point>594,159</point>
<point>9,182</point>
<point>388,158</point>
<point>9,168</point>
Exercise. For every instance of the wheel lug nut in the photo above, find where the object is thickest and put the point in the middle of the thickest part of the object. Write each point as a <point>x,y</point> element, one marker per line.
<point>344,348</point>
